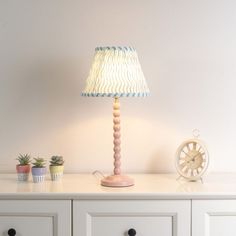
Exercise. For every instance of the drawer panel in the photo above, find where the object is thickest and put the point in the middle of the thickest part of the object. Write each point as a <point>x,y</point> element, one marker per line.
<point>116,217</point>
<point>214,217</point>
<point>31,225</point>
<point>143,224</point>
<point>35,217</point>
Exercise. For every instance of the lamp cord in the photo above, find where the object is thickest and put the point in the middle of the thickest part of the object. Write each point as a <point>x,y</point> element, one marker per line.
<point>98,173</point>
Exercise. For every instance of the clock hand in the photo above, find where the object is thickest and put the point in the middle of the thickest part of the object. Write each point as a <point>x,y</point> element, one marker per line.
<point>187,154</point>
<point>197,155</point>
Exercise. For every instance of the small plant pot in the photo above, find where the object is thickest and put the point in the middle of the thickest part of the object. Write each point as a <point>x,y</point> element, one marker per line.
<point>38,174</point>
<point>23,172</point>
<point>56,172</point>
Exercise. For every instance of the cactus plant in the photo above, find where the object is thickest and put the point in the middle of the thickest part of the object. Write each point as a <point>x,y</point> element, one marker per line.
<point>56,167</point>
<point>39,162</point>
<point>24,159</point>
<point>57,161</point>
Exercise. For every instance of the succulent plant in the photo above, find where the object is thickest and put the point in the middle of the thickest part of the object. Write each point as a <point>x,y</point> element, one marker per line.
<point>24,159</point>
<point>56,161</point>
<point>39,162</point>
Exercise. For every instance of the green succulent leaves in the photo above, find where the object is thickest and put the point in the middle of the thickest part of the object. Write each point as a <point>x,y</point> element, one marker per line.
<point>24,159</point>
<point>56,161</point>
<point>39,162</point>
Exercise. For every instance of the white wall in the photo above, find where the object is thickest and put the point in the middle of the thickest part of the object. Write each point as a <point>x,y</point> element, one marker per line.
<point>188,54</point>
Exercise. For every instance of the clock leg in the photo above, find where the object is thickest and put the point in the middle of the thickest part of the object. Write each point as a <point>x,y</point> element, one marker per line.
<point>201,179</point>
<point>178,178</point>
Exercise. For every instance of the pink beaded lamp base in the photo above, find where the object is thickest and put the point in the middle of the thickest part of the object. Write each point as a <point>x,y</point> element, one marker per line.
<point>117,181</point>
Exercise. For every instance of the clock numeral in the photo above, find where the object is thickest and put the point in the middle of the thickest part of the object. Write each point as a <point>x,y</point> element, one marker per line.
<point>199,149</point>
<point>183,165</point>
<point>182,155</point>
<point>185,169</point>
<point>191,172</point>
<point>188,147</point>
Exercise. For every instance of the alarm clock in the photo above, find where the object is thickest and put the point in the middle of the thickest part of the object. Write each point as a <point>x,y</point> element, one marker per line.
<point>192,158</point>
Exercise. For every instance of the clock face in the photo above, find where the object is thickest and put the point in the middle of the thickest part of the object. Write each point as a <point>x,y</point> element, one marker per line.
<point>192,159</point>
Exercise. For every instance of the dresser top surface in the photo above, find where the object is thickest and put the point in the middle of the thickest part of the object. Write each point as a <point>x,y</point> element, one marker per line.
<point>147,186</point>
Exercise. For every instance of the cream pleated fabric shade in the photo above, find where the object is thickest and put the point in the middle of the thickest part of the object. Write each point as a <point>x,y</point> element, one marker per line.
<point>116,72</point>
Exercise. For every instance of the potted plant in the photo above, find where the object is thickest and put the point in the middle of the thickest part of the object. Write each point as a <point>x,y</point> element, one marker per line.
<point>23,168</point>
<point>56,167</point>
<point>39,170</point>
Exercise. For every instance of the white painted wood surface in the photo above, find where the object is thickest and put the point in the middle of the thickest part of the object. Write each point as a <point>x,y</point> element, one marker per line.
<point>36,217</point>
<point>147,186</point>
<point>214,217</point>
<point>147,217</point>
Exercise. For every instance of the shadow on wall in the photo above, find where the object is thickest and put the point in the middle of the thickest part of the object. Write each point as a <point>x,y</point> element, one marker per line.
<point>44,113</point>
<point>162,161</point>
<point>38,97</point>
<point>92,140</point>
<point>44,94</point>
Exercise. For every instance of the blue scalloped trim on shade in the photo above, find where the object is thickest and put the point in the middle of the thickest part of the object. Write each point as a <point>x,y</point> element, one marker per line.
<point>115,94</point>
<point>121,48</point>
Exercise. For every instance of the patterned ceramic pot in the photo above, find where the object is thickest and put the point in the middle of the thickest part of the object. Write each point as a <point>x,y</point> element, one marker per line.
<point>56,172</point>
<point>23,172</point>
<point>38,174</point>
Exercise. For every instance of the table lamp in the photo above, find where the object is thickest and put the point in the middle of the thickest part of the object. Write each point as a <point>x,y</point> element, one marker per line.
<point>116,72</point>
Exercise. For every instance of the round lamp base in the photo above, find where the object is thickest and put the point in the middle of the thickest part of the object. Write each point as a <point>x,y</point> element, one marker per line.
<point>117,181</point>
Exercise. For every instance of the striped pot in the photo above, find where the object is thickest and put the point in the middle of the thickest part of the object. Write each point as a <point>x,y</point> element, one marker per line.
<point>56,172</point>
<point>38,174</point>
<point>23,172</point>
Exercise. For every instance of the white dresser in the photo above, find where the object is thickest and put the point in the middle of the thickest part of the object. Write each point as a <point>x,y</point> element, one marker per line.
<point>157,205</point>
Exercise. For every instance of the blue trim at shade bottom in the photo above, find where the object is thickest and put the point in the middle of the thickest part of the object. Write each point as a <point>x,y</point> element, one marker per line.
<point>115,94</point>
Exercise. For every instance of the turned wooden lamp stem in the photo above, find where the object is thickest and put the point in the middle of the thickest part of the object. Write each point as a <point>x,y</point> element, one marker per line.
<point>117,179</point>
<point>116,136</point>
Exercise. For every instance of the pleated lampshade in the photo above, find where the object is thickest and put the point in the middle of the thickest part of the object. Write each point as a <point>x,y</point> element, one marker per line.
<point>115,72</point>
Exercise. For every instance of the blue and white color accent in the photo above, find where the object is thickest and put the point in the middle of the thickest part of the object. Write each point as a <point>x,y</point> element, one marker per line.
<point>116,72</point>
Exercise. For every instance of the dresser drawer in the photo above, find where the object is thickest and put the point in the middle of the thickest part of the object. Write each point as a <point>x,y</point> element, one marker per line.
<point>116,217</point>
<point>34,217</point>
<point>27,225</point>
<point>214,217</point>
